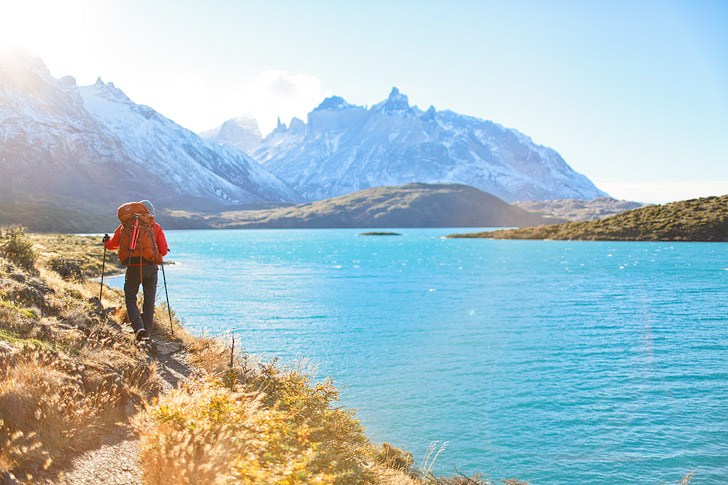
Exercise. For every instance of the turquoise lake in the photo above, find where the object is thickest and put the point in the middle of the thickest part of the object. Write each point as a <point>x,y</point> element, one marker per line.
<point>549,361</point>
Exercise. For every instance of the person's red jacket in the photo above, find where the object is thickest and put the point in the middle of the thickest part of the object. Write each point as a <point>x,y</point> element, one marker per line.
<point>113,243</point>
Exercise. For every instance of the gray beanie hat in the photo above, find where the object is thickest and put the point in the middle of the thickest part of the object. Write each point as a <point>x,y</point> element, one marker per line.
<point>149,206</point>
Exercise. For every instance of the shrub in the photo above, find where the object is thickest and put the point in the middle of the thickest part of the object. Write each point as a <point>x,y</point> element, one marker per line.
<point>15,246</point>
<point>67,269</point>
<point>281,428</point>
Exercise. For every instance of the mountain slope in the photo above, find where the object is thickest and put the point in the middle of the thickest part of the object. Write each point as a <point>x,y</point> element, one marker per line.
<point>704,219</point>
<point>412,205</point>
<point>344,148</point>
<point>49,143</point>
<point>93,143</point>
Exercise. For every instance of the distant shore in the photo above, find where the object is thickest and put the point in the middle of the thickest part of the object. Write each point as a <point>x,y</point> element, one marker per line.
<point>696,220</point>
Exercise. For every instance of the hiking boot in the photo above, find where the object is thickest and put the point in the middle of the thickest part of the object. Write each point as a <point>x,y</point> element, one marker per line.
<point>140,334</point>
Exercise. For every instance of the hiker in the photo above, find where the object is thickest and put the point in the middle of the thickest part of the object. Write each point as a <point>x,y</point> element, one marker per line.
<point>141,245</point>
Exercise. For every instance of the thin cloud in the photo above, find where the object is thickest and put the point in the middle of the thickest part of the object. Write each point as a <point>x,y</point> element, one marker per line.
<point>278,93</point>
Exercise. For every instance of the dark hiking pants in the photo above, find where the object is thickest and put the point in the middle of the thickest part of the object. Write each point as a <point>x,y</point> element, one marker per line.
<point>148,280</point>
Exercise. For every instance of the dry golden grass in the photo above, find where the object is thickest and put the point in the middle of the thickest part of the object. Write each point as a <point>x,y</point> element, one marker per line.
<point>69,373</point>
<point>87,251</point>
<point>187,437</point>
<point>58,406</point>
<point>389,476</point>
<point>276,427</point>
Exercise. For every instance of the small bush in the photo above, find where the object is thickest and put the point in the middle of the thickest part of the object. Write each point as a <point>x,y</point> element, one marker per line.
<point>67,269</point>
<point>15,246</point>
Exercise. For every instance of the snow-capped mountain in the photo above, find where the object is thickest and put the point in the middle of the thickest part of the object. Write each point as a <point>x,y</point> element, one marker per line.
<point>242,133</point>
<point>94,143</point>
<point>345,148</point>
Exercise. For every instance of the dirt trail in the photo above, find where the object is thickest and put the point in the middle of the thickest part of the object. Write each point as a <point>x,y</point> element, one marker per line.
<point>116,460</point>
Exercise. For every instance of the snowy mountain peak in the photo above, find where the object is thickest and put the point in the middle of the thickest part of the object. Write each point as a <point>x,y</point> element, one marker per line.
<point>429,115</point>
<point>396,102</point>
<point>94,143</point>
<point>21,72</point>
<point>394,93</point>
<point>297,125</point>
<point>110,92</point>
<point>68,81</point>
<point>247,121</point>
<point>241,132</point>
<point>392,143</point>
<point>333,103</point>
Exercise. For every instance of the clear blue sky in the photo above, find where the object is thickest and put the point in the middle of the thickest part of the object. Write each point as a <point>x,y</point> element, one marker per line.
<point>633,94</point>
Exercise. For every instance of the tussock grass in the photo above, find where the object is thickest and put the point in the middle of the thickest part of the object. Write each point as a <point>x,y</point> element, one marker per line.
<point>85,251</point>
<point>69,372</point>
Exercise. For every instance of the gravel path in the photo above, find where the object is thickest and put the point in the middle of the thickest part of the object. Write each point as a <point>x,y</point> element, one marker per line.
<point>114,463</point>
<point>116,460</point>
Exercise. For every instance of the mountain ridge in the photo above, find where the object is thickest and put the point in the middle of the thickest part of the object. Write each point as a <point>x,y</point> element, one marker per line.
<point>93,143</point>
<point>342,148</point>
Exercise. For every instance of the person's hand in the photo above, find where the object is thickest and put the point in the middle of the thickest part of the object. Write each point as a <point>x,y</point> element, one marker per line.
<point>105,238</point>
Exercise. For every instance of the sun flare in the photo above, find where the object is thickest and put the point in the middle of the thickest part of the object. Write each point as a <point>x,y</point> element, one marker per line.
<point>37,25</point>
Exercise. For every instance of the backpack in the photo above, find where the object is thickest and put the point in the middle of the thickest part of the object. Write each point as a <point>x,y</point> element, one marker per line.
<point>138,239</point>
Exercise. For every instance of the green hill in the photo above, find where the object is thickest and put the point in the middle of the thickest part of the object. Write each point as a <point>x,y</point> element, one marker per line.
<point>704,219</point>
<point>411,205</point>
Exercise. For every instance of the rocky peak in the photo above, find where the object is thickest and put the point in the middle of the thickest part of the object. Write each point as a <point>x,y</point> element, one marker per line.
<point>396,102</point>
<point>333,103</point>
<point>110,92</point>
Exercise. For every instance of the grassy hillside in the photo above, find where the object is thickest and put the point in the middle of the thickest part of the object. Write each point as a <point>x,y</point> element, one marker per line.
<point>412,205</point>
<point>69,372</point>
<point>55,214</point>
<point>704,219</point>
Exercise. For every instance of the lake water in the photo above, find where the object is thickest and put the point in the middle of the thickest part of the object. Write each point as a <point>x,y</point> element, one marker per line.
<point>553,362</point>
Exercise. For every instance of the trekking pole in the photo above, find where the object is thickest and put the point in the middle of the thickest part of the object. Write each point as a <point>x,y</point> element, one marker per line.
<point>232,352</point>
<point>169,309</point>
<point>103,268</point>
